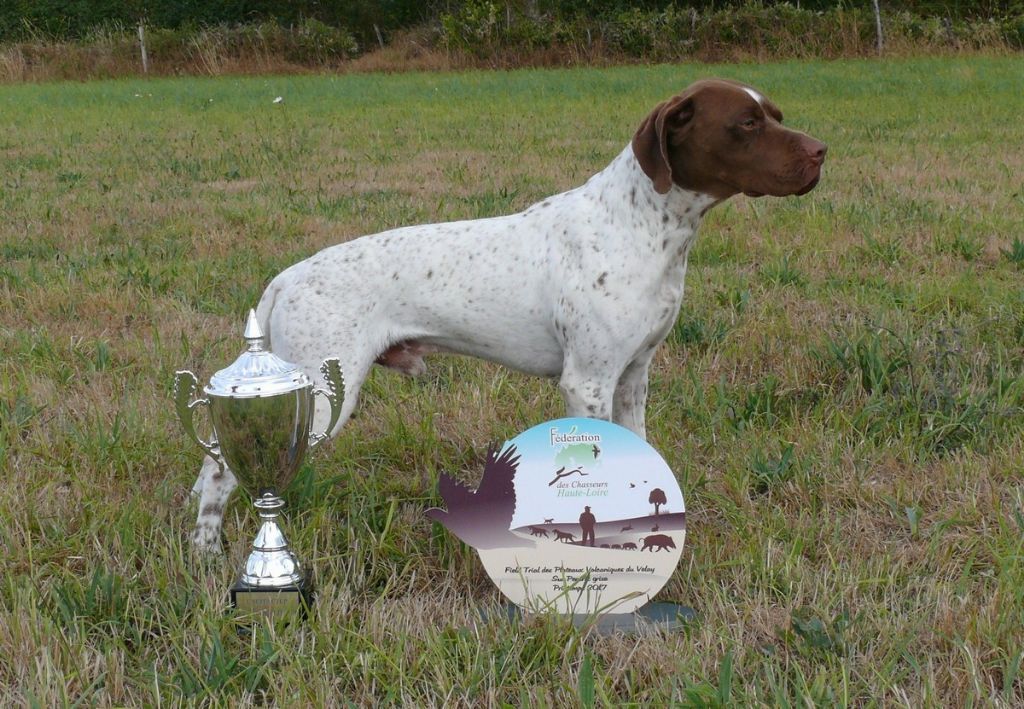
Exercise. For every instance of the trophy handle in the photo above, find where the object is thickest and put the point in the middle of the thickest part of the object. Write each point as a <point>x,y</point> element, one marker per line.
<point>334,393</point>
<point>185,385</point>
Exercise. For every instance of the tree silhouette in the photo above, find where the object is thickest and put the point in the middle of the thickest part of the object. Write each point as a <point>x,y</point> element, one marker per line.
<point>657,499</point>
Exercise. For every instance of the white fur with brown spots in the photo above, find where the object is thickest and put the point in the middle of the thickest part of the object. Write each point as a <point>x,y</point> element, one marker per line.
<point>582,286</point>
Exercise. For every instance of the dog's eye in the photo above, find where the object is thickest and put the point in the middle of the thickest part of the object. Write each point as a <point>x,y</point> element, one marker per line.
<point>748,124</point>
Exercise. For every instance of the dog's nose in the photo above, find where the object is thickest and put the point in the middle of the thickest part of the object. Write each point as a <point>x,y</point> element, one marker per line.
<point>815,150</point>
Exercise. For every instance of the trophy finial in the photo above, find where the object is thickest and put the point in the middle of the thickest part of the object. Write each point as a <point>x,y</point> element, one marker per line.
<point>253,334</point>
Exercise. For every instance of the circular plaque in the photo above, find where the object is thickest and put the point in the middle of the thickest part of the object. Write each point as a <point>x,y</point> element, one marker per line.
<point>598,522</point>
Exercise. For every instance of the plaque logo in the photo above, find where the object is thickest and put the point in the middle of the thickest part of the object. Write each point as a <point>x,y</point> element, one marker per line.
<point>576,516</point>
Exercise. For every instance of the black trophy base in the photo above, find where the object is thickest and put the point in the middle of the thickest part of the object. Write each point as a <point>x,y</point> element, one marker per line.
<point>272,604</point>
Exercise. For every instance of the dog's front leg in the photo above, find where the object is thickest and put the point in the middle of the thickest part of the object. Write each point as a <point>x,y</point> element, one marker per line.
<point>217,485</point>
<point>588,389</point>
<point>631,396</point>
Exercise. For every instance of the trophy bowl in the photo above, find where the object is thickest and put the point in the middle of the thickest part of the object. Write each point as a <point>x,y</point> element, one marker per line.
<point>262,411</point>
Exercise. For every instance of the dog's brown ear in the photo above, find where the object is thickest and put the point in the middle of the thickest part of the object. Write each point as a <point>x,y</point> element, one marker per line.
<point>650,143</point>
<point>771,109</point>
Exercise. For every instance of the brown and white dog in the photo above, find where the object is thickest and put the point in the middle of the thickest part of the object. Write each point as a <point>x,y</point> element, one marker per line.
<point>582,286</point>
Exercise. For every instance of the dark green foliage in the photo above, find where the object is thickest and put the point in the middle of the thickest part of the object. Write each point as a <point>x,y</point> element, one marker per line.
<point>101,603</point>
<point>586,682</point>
<point>948,8</point>
<point>817,635</point>
<point>1015,254</point>
<point>16,415</point>
<point>758,404</point>
<point>223,670</point>
<point>635,28</point>
<point>667,31</point>
<point>782,273</point>
<point>927,390</point>
<point>697,332</point>
<point>875,357</point>
<point>768,471</point>
<point>707,694</point>
<point>22,19</point>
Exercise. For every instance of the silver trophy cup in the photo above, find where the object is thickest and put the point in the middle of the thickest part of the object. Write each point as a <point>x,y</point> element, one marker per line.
<point>262,412</point>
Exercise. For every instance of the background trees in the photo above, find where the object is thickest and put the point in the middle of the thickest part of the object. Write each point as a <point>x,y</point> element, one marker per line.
<point>22,19</point>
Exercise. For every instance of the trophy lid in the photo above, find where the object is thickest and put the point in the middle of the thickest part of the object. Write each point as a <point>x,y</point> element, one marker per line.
<point>257,372</point>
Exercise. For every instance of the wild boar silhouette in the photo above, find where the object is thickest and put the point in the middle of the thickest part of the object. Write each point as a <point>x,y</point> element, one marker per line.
<point>661,541</point>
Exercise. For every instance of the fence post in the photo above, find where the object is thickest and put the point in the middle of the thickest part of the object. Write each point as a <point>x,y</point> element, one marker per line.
<point>878,26</point>
<point>142,49</point>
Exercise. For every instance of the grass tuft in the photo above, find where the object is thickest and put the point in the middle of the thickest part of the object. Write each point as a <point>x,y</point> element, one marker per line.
<point>1015,254</point>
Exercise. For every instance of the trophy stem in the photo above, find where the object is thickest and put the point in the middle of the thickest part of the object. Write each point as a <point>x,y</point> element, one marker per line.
<point>271,563</point>
<point>272,582</point>
<point>270,537</point>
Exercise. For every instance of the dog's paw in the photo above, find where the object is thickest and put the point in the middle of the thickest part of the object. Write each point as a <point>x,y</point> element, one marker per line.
<point>206,541</point>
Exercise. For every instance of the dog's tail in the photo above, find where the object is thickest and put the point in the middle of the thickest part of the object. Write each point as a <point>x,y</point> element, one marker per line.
<point>264,309</point>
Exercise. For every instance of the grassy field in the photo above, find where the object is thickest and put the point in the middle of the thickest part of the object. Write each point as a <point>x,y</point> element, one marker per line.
<point>842,397</point>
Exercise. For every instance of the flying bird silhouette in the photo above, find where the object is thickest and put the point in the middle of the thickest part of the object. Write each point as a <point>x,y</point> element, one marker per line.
<point>482,517</point>
<point>597,451</point>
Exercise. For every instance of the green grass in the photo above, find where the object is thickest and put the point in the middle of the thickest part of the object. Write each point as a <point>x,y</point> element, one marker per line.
<point>842,398</point>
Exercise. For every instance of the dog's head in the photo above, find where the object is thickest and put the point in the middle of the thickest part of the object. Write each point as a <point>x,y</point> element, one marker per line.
<point>721,138</point>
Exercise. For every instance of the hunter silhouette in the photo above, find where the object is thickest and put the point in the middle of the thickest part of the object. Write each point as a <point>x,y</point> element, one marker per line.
<point>587,522</point>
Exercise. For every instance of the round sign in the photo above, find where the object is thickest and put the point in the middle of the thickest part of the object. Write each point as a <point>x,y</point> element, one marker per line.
<point>575,515</point>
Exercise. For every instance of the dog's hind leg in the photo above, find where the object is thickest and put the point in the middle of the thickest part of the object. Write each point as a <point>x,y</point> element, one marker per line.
<point>354,373</point>
<point>216,485</point>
